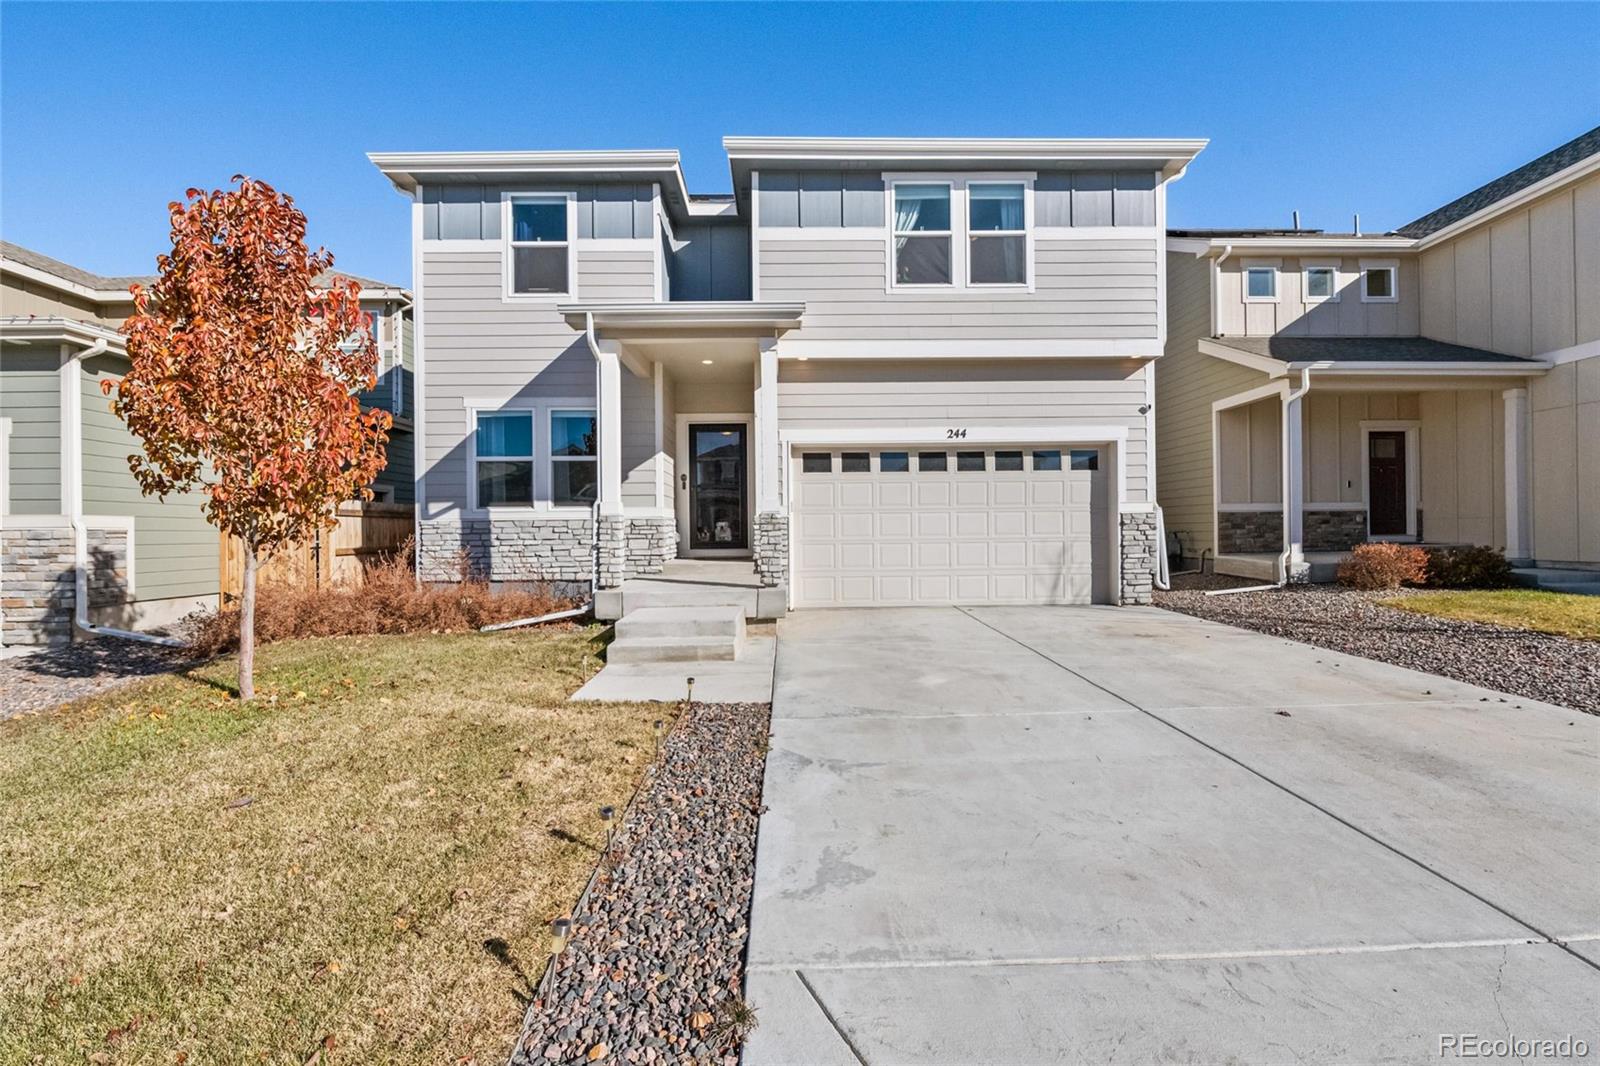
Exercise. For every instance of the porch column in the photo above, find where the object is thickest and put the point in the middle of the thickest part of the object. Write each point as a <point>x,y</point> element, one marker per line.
<point>1519,543</point>
<point>1294,490</point>
<point>608,400</point>
<point>771,545</point>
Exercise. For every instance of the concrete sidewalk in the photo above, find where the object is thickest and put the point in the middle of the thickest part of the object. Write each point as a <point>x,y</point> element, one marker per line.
<point>1085,834</point>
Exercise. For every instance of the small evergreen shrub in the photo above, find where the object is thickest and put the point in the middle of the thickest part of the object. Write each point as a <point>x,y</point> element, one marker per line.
<point>1384,566</point>
<point>1468,568</point>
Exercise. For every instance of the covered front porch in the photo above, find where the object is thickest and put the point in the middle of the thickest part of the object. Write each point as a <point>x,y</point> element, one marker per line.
<point>1328,455</point>
<point>688,455</point>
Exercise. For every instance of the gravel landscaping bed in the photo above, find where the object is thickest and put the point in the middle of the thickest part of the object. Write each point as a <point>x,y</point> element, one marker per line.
<point>32,681</point>
<point>1521,662</point>
<point>653,969</point>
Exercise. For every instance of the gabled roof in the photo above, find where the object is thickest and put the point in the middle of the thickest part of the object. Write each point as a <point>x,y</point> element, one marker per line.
<point>1568,155</point>
<point>114,289</point>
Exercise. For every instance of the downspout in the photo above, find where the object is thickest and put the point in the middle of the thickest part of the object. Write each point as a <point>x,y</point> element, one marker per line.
<point>80,532</point>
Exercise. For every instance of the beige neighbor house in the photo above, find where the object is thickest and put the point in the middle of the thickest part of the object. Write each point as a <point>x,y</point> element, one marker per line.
<point>882,371</point>
<point>1437,384</point>
<point>68,503</point>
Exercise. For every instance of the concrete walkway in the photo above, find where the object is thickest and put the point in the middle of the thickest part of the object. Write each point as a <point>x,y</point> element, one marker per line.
<point>1098,834</point>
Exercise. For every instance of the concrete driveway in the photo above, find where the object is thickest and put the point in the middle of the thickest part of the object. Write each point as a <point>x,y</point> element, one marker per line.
<point>1100,834</point>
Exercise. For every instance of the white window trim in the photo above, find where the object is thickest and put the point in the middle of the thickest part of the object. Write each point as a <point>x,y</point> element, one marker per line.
<point>1391,265</point>
<point>1306,267</point>
<point>507,198</point>
<point>1026,233</point>
<point>551,458</point>
<point>538,409</point>
<point>1244,280</point>
<point>959,233</point>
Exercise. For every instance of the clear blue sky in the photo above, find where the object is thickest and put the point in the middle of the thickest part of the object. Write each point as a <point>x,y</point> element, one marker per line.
<point>109,111</point>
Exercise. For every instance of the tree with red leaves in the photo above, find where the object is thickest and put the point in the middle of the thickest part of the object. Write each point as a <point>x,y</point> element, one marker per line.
<point>244,377</point>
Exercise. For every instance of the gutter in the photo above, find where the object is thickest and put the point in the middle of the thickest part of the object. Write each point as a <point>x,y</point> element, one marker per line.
<point>80,531</point>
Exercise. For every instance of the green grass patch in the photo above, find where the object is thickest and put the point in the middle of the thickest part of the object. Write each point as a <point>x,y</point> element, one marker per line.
<point>1561,613</point>
<point>365,859</point>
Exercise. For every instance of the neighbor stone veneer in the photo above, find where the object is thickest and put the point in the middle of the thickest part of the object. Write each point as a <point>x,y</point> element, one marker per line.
<point>1334,531</point>
<point>772,548</point>
<point>546,549</point>
<point>1250,531</point>
<point>1138,556</point>
<point>37,572</point>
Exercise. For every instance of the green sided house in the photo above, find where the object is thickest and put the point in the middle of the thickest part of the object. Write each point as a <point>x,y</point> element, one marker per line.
<point>67,499</point>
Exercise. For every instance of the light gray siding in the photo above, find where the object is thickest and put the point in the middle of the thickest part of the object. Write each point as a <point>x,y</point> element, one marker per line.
<point>710,262</point>
<point>472,212</point>
<point>1097,288</point>
<point>881,394</point>
<point>638,441</point>
<point>1095,198</point>
<point>820,198</point>
<point>606,274</point>
<point>30,396</point>
<point>175,548</point>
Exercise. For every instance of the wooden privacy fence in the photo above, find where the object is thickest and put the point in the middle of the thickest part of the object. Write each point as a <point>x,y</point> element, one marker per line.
<point>367,532</point>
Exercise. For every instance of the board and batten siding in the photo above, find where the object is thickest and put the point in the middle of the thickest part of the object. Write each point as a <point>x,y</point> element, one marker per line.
<point>1085,288</point>
<point>1187,383</point>
<point>1527,283</point>
<point>30,396</point>
<point>1293,316</point>
<point>882,394</point>
<point>481,347</point>
<point>1565,412</point>
<point>175,548</point>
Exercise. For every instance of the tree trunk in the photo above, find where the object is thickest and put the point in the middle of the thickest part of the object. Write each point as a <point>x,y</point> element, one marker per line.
<point>247,626</point>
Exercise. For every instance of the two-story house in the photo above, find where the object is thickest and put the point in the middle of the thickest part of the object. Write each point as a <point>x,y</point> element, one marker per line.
<point>882,371</point>
<point>68,503</point>
<point>1437,384</point>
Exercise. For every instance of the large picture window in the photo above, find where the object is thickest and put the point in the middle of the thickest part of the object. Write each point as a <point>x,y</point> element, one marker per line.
<point>540,244</point>
<point>997,234</point>
<point>503,459</point>
<point>574,466</point>
<point>922,234</point>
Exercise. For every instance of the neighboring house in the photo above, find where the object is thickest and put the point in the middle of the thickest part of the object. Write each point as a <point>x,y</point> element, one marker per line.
<point>63,455</point>
<point>1439,384</point>
<point>883,371</point>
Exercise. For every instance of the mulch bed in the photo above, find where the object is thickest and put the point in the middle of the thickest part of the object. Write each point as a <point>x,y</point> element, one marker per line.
<point>1539,666</point>
<point>653,969</point>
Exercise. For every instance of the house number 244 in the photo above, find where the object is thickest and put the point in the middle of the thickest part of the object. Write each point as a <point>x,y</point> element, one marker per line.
<point>955,434</point>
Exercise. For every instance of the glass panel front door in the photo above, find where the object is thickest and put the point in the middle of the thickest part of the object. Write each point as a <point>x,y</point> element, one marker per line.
<point>717,487</point>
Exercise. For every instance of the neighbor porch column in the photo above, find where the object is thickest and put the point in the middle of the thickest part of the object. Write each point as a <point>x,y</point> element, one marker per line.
<point>1294,489</point>
<point>611,532</point>
<point>771,545</point>
<point>1519,546</point>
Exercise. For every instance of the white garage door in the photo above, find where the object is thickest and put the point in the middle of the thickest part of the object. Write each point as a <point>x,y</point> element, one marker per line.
<point>908,526</point>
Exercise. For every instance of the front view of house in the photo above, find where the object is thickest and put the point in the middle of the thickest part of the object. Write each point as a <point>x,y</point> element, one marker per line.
<point>882,371</point>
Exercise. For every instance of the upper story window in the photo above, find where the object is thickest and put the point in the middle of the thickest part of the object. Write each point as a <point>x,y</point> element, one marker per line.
<point>998,234</point>
<point>922,235</point>
<point>503,459</point>
<point>1380,281</point>
<point>973,232</point>
<point>539,235</point>
<point>1321,283</point>
<point>1260,283</point>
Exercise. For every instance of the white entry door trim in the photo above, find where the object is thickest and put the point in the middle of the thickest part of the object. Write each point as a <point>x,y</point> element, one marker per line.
<point>684,470</point>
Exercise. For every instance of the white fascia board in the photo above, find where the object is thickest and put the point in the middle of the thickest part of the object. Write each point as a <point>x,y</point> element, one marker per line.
<point>1264,363</point>
<point>1521,366</point>
<point>1521,198</point>
<point>69,330</point>
<point>1192,245</point>
<point>405,169</point>
<point>798,347</point>
<point>60,284</point>
<point>1172,153</point>
<point>1308,245</point>
<point>708,313</point>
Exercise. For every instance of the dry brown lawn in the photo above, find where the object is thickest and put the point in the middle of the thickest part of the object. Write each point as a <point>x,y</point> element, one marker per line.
<point>1561,613</point>
<point>360,867</point>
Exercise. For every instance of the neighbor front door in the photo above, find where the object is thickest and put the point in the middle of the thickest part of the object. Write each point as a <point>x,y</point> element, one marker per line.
<point>1386,484</point>
<point>717,478</point>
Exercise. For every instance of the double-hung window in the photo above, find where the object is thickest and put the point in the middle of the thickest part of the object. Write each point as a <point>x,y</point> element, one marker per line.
<point>539,256</point>
<point>997,234</point>
<point>574,466</point>
<point>503,459</point>
<point>922,235</point>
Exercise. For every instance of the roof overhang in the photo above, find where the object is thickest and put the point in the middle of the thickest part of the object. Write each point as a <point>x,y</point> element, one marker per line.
<point>1521,198</point>
<point>1308,245</point>
<point>1276,368</point>
<point>719,317</point>
<point>21,329</point>
<point>60,284</point>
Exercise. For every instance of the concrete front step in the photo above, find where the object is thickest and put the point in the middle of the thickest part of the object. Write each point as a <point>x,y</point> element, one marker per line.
<point>1553,579</point>
<point>674,649</point>
<point>649,623</point>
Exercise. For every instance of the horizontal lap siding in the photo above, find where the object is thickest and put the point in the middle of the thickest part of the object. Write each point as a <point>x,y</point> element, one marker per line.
<point>880,394</point>
<point>1084,289</point>
<point>30,395</point>
<point>175,548</point>
<point>1187,383</point>
<point>616,275</point>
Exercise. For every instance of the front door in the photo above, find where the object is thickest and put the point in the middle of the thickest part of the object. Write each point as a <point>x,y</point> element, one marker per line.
<point>717,479</point>
<point>1386,483</point>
